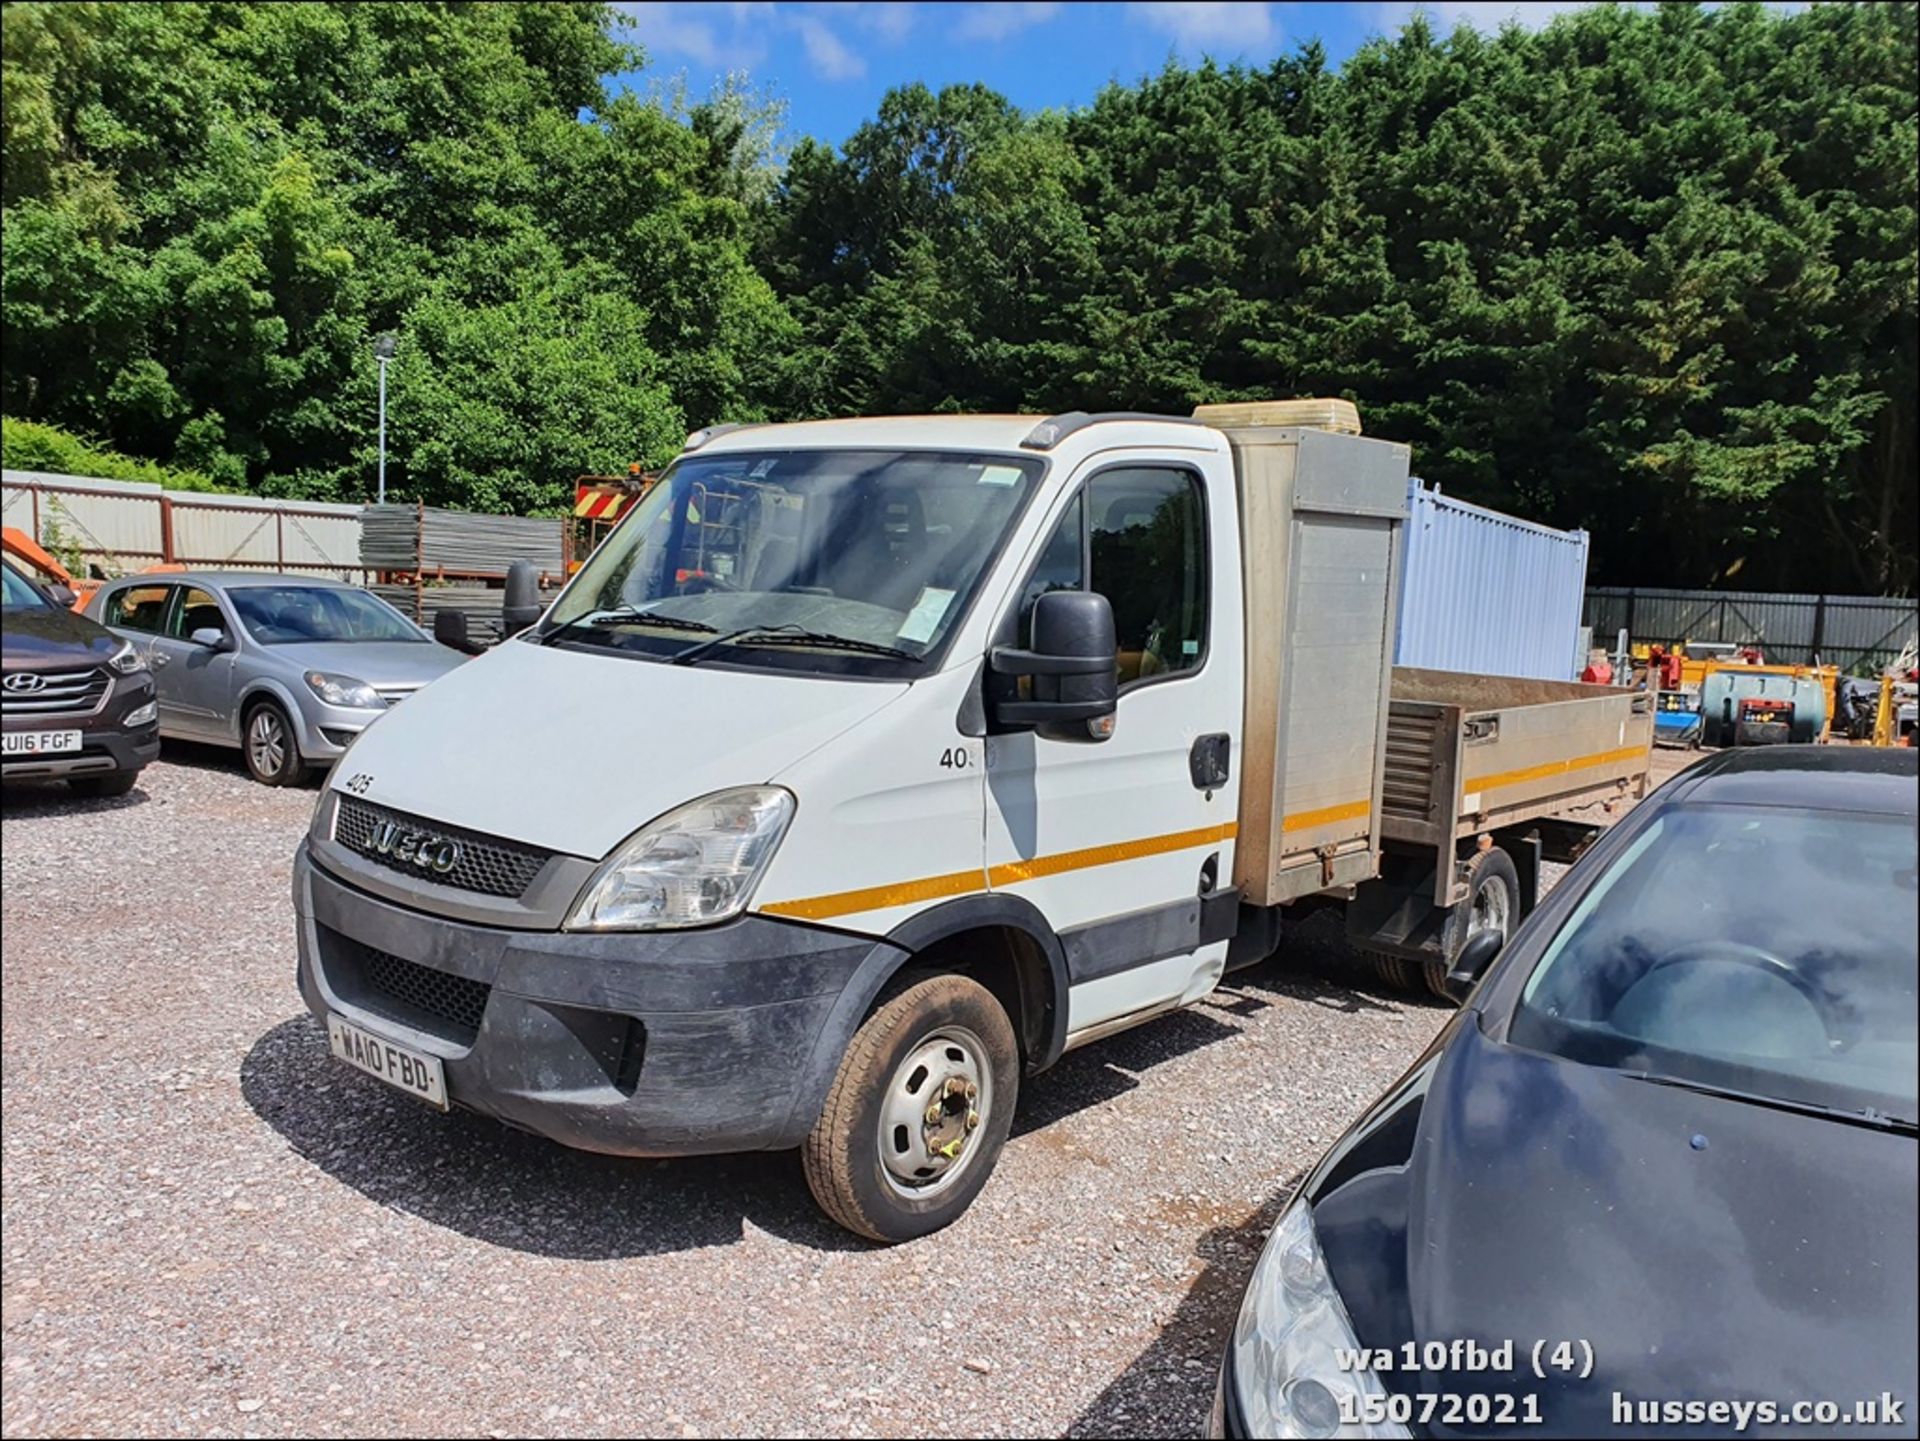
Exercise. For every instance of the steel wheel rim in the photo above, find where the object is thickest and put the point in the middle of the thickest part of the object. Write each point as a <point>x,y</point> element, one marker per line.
<point>936,1106</point>
<point>1492,908</point>
<point>266,743</point>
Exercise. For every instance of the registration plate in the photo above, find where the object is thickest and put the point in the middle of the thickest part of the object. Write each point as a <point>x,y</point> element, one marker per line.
<point>40,743</point>
<point>408,1070</point>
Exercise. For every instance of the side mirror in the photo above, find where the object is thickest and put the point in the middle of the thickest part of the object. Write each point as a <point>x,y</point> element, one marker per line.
<point>61,595</point>
<point>1072,665</point>
<point>450,629</point>
<point>1472,962</point>
<point>213,638</point>
<point>520,603</point>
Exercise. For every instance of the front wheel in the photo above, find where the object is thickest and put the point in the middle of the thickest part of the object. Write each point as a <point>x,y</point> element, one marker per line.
<point>273,755</point>
<point>918,1112</point>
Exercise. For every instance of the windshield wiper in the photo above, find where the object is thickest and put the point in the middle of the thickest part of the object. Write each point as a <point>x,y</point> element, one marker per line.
<point>626,615</point>
<point>792,635</point>
<point>1854,1116</point>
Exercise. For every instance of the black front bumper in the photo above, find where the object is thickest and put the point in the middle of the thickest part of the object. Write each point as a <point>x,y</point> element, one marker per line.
<point>102,752</point>
<point>724,1038</point>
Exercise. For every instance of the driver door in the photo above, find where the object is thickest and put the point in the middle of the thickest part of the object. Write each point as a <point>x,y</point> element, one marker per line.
<point>1114,840</point>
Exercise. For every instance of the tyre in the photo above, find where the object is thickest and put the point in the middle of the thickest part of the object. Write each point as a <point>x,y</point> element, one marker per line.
<point>1492,904</point>
<point>1395,971</point>
<point>114,783</point>
<point>273,754</point>
<point>918,1112</point>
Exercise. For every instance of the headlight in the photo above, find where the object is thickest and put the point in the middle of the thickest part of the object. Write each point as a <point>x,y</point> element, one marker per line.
<point>127,659</point>
<point>691,867</point>
<point>141,715</point>
<point>320,823</point>
<point>343,690</point>
<point>1286,1372</point>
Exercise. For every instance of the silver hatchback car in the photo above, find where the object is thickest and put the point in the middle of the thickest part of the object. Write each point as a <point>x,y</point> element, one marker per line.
<point>289,668</point>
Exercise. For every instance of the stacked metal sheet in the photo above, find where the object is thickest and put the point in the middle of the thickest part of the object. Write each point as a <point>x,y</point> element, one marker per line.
<point>480,602</point>
<point>429,541</point>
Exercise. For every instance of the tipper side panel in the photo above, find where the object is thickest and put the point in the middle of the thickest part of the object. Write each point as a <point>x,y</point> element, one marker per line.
<point>1320,519</point>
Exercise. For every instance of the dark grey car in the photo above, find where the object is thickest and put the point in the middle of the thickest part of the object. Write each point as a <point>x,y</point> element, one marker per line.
<point>288,668</point>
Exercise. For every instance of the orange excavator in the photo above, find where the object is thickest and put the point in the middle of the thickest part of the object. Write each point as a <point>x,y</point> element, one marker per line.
<point>50,572</point>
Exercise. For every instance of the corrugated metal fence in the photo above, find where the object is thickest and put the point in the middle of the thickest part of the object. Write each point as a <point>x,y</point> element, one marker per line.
<point>123,526</point>
<point>1485,592</point>
<point>1850,631</point>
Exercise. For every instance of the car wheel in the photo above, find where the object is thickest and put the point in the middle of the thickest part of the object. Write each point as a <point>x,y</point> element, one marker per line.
<point>267,740</point>
<point>918,1112</point>
<point>1492,904</point>
<point>117,783</point>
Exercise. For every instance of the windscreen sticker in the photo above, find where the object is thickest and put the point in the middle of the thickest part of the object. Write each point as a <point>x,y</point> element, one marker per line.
<point>927,613</point>
<point>999,475</point>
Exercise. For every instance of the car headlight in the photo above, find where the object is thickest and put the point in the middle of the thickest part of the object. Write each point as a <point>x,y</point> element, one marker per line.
<point>691,867</point>
<point>1286,1344</point>
<point>127,660</point>
<point>343,690</point>
<point>141,715</point>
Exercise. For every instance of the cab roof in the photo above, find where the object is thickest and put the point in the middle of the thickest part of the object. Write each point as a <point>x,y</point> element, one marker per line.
<point>970,433</point>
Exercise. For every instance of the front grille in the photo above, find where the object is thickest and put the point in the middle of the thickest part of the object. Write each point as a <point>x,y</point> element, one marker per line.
<point>484,864</point>
<point>394,694</point>
<point>78,692</point>
<point>416,995</point>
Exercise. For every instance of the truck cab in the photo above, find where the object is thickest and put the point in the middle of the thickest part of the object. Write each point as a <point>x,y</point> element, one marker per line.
<point>867,767</point>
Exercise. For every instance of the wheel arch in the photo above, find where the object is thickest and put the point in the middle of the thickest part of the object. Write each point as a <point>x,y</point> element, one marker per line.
<point>1001,940</point>
<point>265,688</point>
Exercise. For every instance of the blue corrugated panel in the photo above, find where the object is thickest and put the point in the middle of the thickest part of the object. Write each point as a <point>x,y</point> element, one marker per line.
<point>1485,593</point>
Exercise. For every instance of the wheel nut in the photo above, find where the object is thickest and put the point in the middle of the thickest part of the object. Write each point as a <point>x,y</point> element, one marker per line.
<point>973,1119</point>
<point>973,1091</point>
<point>933,1114</point>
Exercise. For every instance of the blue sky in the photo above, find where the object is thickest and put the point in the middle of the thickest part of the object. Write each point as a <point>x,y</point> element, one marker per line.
<point>831,63</point>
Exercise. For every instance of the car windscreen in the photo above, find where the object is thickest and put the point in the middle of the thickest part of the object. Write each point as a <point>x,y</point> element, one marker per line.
<point>293,614</point>
<point>1766,951</point>
<point>853,562</point>
<point>20,593</point>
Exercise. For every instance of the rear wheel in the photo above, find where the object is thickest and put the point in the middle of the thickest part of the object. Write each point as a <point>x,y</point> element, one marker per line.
<point>918,1112</point>
<point>115,783</point>
<point>1492,904</point>
<point>273,755</point>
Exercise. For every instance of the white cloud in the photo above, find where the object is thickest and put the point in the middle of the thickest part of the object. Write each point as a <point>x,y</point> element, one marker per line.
<point>826,51</point>
<point>1221,25</point>
<point>892,21</point>
<point>725,37</point>
<point>999,19</point>
<point>735,36</point>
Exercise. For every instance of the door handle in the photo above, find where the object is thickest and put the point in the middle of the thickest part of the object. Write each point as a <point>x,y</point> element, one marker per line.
<point>1209,763</point>
<point>160,658</point>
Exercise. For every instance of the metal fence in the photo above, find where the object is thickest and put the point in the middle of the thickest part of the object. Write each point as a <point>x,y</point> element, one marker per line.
<point>1488,593</point>
<point>122,526</point>
<point>1854,632</point>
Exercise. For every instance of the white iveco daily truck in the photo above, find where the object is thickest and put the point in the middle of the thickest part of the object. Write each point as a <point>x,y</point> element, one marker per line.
<point>869,765</point>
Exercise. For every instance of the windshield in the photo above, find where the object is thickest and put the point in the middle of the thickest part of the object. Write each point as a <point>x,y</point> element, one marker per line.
<point>20,592</point>
<point>855,562</point>
<point>292,614</point>
<point>1766,951</point>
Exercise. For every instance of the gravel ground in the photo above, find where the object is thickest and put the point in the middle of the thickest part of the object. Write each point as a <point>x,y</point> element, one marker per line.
<point>211,1227</point>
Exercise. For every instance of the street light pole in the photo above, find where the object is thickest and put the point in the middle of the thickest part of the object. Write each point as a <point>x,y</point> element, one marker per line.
<point>383,352</point>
